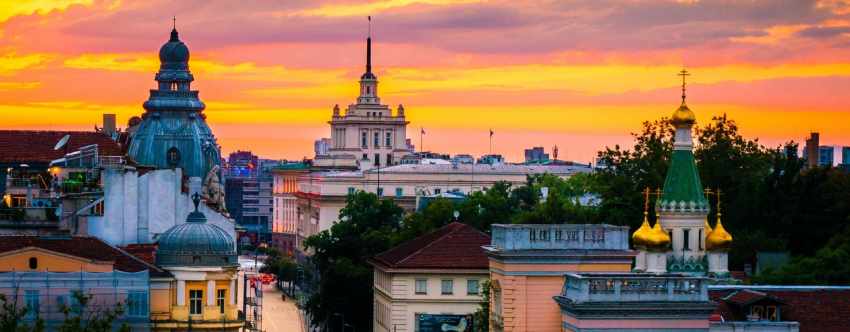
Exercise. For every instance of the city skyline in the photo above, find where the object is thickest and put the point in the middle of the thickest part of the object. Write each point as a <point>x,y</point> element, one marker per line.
<point>580,75</point>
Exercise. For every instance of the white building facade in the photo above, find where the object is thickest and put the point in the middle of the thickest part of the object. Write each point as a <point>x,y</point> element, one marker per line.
<point>321,195</point>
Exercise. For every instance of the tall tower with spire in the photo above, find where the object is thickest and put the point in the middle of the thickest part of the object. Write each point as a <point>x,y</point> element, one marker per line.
<point>173,132</point>
<point>367,135</point>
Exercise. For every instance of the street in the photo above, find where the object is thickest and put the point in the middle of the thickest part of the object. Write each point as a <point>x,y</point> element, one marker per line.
<point>279,315</point>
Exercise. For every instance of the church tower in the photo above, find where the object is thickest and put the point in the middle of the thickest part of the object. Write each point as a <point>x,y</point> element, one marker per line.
<point>173,132</point>
<point>682,239</point>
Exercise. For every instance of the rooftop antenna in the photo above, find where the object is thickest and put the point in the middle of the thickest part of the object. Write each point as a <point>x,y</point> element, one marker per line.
<point>62,142</point>
<point>174,22</point>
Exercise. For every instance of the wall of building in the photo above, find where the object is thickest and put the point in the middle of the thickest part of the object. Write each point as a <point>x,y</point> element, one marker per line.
<point>395,294</point>
<point>138,208</point>
<point>49,261</point>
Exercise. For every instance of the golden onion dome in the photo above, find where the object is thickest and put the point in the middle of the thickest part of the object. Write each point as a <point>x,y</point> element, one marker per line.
<point>683,116</point>
<point>640,237</point>
<point>658,238</point>
<point>718,238</point>
<point>707,227</point>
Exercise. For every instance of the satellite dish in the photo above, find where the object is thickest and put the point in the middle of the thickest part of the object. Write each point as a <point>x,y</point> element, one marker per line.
<point>62,142</point>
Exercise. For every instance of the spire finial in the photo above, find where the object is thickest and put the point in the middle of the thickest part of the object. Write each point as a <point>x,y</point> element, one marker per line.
<point>369,47</point>
<point>197,200</point>
<point>174,36</point>
<point>646,201</point>
<point>684,73</point>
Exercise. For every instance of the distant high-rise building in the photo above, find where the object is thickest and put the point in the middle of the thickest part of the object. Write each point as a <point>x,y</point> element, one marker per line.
<point>811,150</point>
<point>248,192</point>
<point>826,156</point>
<point>536,154</point>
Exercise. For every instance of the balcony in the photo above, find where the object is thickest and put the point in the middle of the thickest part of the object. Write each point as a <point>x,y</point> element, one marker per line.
<point>634,287</point>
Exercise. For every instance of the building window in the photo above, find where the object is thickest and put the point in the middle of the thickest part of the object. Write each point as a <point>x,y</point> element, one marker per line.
<point>421,286</point>
<point>686,239</point>
<point>33,263</point>
<point>351,190</point>
<point>389,139</point>
<point>363,141</point>
<point>437,191</point>
<point>31,298</point>
<point>196,302</point>
<point>377,140</point>
<point>447,287</point>
<point>219,300</point>
<point>399,192</point>
<point>389,159</point>
<point>380,191</point>
<point>472,287</point>
<point>377,159</point>
<point>137,304</point>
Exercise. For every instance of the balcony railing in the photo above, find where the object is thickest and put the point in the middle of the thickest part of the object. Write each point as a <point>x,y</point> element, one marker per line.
<point>174,94</point>
<point>635,288</point>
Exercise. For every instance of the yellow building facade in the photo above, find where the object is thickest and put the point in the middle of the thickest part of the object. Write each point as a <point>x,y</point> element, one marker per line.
<point>202,290</point>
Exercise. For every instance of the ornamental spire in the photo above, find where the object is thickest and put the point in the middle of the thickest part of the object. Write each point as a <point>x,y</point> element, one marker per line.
<point>684,73</point>
<point>369,47</point>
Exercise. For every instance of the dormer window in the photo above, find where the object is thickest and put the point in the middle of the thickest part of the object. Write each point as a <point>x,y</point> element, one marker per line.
<point>33,262</point>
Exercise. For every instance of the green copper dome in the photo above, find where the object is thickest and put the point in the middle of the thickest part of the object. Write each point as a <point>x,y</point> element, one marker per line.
<point>196,243</point>
<point>173,131</point>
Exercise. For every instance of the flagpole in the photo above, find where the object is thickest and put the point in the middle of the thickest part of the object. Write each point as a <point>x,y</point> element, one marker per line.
<point>491,141</point>
<point>421,146</point>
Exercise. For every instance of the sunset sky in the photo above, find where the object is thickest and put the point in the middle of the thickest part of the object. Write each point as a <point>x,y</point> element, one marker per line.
<point>577,74</point>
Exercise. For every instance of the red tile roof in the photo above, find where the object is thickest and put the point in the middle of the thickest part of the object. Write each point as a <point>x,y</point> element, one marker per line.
<point>454,246</point>
<point>817,309</point>
<point>79,246</point>
<point>37,146</point>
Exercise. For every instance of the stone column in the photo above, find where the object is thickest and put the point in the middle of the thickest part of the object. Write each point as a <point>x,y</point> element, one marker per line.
<point>181,292</point>
<point>718,262</point>
<point>211,293</point>
<point>656,262</point>
<point>640,261</point>
<point>233,286</point>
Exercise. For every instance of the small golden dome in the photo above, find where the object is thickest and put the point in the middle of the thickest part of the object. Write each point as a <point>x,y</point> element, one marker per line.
<point>658,238</point>
<point>641,235</point>
<point>683,116</point>
<point>707,227</point>
<point>718,238</point>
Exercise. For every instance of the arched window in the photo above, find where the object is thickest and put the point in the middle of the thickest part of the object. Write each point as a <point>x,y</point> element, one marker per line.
<point>33,263</point>
<point>368,90</point>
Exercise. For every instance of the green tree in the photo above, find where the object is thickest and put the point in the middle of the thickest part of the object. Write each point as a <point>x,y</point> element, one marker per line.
<point>82,318</point>
<point>12,316</point>
<point>628,172</point>
<point>481,317</point>
<point>827,267</point>
<point>366,228</point>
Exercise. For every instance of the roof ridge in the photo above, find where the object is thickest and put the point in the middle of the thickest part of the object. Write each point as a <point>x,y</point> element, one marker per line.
<point>137,259</point>
<point>431,243</point>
